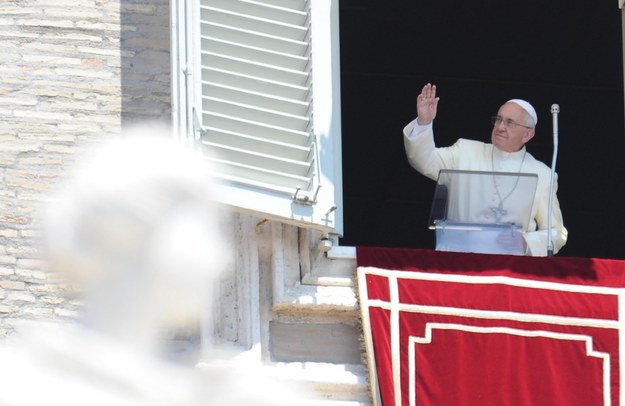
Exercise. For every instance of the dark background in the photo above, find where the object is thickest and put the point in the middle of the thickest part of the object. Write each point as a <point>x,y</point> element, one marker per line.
<point>480,55</point>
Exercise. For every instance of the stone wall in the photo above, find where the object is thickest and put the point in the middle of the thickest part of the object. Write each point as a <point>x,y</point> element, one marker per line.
<point>74,72</point>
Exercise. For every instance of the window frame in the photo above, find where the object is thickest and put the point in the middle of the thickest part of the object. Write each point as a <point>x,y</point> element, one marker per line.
<point>322,210</point>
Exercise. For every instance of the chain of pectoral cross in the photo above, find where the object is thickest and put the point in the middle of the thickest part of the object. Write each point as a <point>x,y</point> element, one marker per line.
<point>499,211</point>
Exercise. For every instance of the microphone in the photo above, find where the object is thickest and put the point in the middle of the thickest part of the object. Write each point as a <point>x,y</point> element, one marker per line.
<point>555,110</point>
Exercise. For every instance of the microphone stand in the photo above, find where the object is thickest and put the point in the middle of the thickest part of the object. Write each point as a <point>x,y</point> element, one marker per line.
<point>555,109</point>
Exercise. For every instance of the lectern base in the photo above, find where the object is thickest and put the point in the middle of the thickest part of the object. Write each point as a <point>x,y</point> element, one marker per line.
<point>480,238</point>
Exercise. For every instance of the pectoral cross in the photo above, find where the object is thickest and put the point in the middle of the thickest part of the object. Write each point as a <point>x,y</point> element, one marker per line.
<point>499,212</point>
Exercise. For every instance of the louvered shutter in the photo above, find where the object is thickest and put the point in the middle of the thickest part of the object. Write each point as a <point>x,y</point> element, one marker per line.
<point>261,67</point>
<point>256,92</point>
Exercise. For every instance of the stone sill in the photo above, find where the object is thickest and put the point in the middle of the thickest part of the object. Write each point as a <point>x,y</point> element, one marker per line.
<point>342,253</point>
<point>329,286</point>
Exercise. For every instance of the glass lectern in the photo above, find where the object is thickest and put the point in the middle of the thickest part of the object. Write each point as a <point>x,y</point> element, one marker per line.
<point>482,212</point>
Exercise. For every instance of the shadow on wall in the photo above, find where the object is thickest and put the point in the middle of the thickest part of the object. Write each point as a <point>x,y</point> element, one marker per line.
<point>145,61</point>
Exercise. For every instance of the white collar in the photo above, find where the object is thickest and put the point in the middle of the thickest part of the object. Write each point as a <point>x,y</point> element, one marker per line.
<point>503,155</point>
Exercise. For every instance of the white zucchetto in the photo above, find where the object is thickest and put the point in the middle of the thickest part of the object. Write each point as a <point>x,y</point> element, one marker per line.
<point>527,107</point>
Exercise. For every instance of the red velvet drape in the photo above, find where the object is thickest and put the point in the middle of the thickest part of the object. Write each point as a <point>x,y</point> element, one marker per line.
<point>470,329</point>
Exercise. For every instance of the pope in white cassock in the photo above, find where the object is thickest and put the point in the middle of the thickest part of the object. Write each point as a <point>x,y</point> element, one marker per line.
<point>513,127</point>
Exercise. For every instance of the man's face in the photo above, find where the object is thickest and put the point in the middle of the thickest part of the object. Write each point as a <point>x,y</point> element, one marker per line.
<point>510,134</point>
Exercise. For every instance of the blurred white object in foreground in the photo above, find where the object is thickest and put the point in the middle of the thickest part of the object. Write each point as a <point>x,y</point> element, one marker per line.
<point>136,229</point>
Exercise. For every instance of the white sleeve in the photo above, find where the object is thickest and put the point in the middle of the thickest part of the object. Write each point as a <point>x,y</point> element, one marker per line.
<point>421,150</point>
<point>537,241</point>
<point>414,129</point>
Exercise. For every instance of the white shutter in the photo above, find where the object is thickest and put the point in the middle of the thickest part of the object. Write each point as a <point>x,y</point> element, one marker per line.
<point>256,91</point>
<point>257,80</point>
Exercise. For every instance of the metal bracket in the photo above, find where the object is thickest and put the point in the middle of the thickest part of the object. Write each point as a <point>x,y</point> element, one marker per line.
<point>197,124</point>
<point>305,200</point>
<point>331,210</point>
